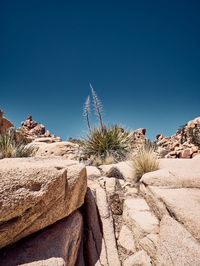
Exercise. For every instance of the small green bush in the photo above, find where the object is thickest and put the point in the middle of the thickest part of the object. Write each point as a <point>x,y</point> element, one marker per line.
<point>9,148</point>
<point>109,141</point>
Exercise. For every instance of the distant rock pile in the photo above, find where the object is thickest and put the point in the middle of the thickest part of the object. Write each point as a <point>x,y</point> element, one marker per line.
<point>184,144</point>
<point>33,131</point>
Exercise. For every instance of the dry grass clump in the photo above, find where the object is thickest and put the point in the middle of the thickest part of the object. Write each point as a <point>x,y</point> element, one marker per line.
<point>9,148</point>
<point>97,161</point>
<point>144,161</point>
<point>109,160</point>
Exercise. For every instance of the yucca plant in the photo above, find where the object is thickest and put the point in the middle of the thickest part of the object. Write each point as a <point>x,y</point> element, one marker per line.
<point>144,160</point>
<point>9,148</point>
<point>86,111</point>
<point>109,140</point>
<point>97,106</point>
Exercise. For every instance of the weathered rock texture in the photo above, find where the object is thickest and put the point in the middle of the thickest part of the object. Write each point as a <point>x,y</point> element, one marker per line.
<point>5,124</point>
<point>184,144</point>
<point>35,193</point>
<point>57,244</point>
<point>64,149</point>
<point>123,222</point>
<point>155,222</point>
<point>176,245</point>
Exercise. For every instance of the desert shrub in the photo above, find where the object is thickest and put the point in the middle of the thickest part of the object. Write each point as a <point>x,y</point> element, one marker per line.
<point>110,140</point>
<point>144,160</point>
<point>76,141</point>
<point>103,144</point>
<point>9,148</point>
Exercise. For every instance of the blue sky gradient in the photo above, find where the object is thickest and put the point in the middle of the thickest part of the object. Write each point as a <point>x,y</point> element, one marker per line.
<point>142,58</point>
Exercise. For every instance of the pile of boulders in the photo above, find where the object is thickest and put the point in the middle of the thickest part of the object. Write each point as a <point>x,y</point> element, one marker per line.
<point>33,131</point>
<point>137,137</point>
<point>184,144</point>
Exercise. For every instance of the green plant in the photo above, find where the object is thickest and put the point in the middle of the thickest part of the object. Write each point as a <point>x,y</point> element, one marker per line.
<point>9,148</point>
<point>76,141</point>
<point>145,160</point>
<point>109,140</point>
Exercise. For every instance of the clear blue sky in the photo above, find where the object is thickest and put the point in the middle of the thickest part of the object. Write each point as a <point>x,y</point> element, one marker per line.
<point>142,57</point>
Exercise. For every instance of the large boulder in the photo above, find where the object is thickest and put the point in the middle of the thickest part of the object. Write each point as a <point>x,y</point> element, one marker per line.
<point>64,149</point>
<point>57,244</point>
<point>121,170</point>
<point>176,245</point>
<point>5,124</point>
<point>174,174</point>
<point>36,192</point>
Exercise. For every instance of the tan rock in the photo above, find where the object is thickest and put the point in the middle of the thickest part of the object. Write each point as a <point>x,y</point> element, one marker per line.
<point>184,173</point>
<point>119,170</point>
<point>107,225</point>
<point>65,149</point>
<point>110,185</point>
<point>176,245</point>
<point>187,153</point>
<point>5,124</point>
<point>197,157</point>
<point>183,203</point>
<point>126,239</point>
<point>140,258</point>
<point>44,139</point>
<point>36,192</point>
<point>138,217</point>
<point>57,244</point>
<point>38,130</point>
<point>149,244</point>
<point>93,172</point>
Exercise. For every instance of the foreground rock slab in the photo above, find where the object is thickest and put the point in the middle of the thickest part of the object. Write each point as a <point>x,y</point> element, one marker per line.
<point>138,217</point>
<point>175,174</point>
<point>176,245</point>
<point>37,192</point>
<point>182,203</point>
<point>56,245</point>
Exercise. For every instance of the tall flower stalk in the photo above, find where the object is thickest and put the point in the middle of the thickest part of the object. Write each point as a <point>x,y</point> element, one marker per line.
<point>86,111</point>
<point>97,105</point>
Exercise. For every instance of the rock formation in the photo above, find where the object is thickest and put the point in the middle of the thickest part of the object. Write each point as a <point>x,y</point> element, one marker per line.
<point>5,124</point>
<point>56,211</point>
<point>28,202</point>
<point>184,144</point>
<point>32,131</point>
